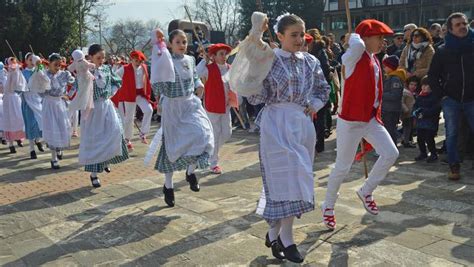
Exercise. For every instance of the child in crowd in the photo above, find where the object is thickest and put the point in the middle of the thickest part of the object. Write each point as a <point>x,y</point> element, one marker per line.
<point>408,100</point>
<point>426,111</point>
<point>392,95</point>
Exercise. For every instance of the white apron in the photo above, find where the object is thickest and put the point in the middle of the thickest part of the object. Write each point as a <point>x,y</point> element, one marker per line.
<point>56,124</point>
<point>287,142</point>
<point>186,127</point>
<point>13,118</point>
<point>34,101</point>
<point>1,113</point>
<point>101,134</point>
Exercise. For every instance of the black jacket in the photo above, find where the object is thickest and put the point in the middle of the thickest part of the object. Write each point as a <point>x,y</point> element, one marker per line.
<point>319,52</point>
<point>451,73</point>
<point>426,111</point>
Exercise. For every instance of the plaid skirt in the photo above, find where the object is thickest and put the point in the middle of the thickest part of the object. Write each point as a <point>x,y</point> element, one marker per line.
<point>274,211</point>
<point>164,165</point>
<point>99,167</point>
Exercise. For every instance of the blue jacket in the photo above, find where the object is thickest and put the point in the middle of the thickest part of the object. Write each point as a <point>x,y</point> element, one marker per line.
<point>426,111</point>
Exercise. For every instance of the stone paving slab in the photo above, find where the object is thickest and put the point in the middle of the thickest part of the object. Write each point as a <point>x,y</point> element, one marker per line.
<point>54,218</point>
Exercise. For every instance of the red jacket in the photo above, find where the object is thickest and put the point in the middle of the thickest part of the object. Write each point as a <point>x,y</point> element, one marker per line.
<point>128,91</point>
<point>214,91</point>
<point>359,92</point>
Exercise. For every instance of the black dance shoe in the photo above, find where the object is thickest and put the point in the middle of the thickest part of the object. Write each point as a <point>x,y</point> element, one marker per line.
<point>95,182</point>
<point>12,150</point>
<point>59,154</point>
<point>107,169</point>
<point>19,143</point>
<point>33,155</point>
<point>276,249</point>
<point>193,183</point>
<point>39,145</point>
<point>55,165</point>
<point>291,252</point>
<point>169,196</point>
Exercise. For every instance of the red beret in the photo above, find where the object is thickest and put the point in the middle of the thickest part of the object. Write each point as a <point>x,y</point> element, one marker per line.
<point>308,38</point>
<point>372,27</point>
<point>137,54</point>
<point>216,47</point>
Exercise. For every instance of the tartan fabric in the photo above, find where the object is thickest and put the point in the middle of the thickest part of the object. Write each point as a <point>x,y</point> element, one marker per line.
<point>174,89</point>
<point>163,164</point>
<point>276,87</point>
<point>99,167</point>
<point>277,210</point>
<point>109,78</point>
<point>59,82</point>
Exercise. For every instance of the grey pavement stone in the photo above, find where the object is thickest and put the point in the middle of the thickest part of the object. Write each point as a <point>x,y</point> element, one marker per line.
<point>452,251</point>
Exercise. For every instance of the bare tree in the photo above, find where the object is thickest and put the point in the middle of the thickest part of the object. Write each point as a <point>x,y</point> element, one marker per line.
<point>126,35</point>
<point>220,15</point>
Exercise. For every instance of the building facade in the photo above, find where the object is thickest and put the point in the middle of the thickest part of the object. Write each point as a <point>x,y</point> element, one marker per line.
<point>395,13</point>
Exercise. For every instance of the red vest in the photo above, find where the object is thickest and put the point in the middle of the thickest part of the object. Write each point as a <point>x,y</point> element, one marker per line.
<point>359,92</point>
<point>214,92</point>
<point>128,91</point>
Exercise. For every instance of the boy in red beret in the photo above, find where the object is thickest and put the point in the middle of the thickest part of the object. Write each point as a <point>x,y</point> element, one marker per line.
<point>135,90</point>
<point>360,117</point>
<point>216,97</point>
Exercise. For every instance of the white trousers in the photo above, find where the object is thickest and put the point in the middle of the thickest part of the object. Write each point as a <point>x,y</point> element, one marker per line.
<point>349,135</point>
<point>222,129</point>
<point>74,118</point>
<point>127,114</point>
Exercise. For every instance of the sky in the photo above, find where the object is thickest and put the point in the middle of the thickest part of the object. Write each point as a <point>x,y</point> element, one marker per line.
<point>161,10</point>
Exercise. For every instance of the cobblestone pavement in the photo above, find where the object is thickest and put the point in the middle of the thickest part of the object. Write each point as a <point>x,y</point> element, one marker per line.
<point>54,218</point>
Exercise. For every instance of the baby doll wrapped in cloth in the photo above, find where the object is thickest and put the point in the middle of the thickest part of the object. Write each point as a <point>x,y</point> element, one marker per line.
<point>85,82</point>
<point>253,61</point>
<point>39,81</point>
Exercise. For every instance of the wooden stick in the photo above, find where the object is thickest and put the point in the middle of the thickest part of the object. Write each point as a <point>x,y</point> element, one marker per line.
<point>239,118</point>
<point>348,16</point>
<point>11,49</point>
<point>31,48</point>
<point>194,28</point>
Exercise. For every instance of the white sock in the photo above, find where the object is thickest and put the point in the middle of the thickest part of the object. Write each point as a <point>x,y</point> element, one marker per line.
<point>169,180</point>
<point>191,169</point>
<point>10,143</point>
<point>274,232</point>
<point>93,174</point>
<point>286,232</point>
<point>54,155</point>
<point>32,145</point>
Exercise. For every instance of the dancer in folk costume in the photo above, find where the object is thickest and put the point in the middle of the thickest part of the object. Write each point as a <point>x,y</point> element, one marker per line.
<point>31,106</point>
<point>13,121</point>
<point>187,138</point>
<point>216,97</point>
<point>360,117</point>
<point>102,141</point>
<point>293,90</point>
<point>136,90</point>
<point>2,83</point>
<point>56,124</point>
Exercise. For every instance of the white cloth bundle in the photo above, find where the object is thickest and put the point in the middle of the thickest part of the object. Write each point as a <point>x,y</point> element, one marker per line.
<point>253,61</point>
<point>15,82</point>
<point>39,82</point>
<point>162,67</point>
<point>85,82</point>
<point>154,146</point>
